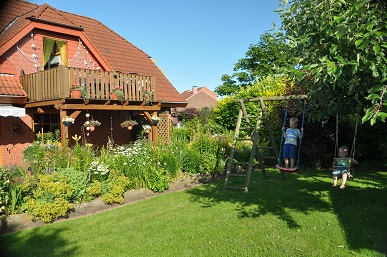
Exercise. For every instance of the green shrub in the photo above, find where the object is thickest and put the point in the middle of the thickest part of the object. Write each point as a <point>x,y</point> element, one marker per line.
<point>114,195</point>
<point>169,163</point>
<point>77,179</point>
<point>50,199</point>
<point>156,179</point>
<point>114,188</point>
<point>93,190</point>
<point>4,193</point>
<point>191,161</point>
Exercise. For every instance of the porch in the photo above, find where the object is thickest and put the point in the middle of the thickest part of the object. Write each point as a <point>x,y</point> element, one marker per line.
<point>54,84</point>
<point>49,91</point>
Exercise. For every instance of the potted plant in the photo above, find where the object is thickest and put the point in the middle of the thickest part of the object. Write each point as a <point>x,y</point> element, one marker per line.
<point>75,91</point>
<point>117,94</point>
<point>149,97</point>
<point>147,128</point>
<point>68,121</point>
<point>129,124</point>
<point>155,119</point>
<point>91,124</point>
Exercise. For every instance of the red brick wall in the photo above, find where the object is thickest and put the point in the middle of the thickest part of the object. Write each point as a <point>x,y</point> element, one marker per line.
<point>16,134</point>
<point>13,61</point>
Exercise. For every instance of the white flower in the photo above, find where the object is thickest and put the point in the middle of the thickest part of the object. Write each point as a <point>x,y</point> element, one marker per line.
<point>68,119</point>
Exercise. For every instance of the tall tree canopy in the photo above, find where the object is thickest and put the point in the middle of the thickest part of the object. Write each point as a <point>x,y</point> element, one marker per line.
<point>341,47</point>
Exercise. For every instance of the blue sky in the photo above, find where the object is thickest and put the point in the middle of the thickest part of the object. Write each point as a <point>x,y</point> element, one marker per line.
<point>193,42</point>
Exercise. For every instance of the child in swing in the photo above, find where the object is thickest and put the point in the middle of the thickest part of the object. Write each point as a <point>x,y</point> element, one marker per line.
<point>290,146</point>
<point>341,167</point>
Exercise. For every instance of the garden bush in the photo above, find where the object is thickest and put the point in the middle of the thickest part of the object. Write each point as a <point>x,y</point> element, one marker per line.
<point>50,199</point>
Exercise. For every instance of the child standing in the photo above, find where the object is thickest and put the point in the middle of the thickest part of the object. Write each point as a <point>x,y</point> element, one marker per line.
<point>290,146</point>
<point>342,166</point>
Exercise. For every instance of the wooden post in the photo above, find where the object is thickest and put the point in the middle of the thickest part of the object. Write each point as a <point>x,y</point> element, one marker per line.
<point>63,128</point>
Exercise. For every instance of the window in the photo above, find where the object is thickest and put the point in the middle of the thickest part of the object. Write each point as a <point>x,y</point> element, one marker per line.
<point>44,123</point>
<point>55,53</point>
<point>55,58</point>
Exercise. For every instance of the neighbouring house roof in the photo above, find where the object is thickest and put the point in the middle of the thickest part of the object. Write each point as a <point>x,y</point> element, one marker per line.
<point>118,53</point>
<point>200,97</point>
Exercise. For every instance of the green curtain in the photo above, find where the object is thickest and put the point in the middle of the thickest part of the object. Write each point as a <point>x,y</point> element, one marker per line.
<point>48,45</point>
<point>63,52</point>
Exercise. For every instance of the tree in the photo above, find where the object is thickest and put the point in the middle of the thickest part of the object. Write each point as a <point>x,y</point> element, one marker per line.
<point>262,59</point>
<point>341,47</point>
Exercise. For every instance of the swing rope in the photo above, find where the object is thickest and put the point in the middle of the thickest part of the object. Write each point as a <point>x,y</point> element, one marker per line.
<point>352,153</point>
<point>282,137</point>
<point>302,128</point>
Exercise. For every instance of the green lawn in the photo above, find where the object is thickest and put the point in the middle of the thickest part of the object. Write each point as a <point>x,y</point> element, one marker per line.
<point>299,216</point>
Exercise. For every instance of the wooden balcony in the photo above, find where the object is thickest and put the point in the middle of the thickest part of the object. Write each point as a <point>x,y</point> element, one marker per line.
<point>55,84</point>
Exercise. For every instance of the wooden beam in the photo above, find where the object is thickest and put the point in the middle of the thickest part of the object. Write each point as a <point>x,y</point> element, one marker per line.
<point>109,107</point>
<point>45,103</point>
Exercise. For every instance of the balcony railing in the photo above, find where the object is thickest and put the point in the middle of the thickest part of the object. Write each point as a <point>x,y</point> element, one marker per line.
<point>55,84</point>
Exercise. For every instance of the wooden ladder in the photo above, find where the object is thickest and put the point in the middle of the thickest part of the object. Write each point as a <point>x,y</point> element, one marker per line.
<point>261,145</point>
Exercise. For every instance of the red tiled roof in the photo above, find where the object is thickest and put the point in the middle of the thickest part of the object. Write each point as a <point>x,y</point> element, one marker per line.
<point>200,100</point>
<point>10,85</point>
<point>120,54</point>
<point>188,93</point>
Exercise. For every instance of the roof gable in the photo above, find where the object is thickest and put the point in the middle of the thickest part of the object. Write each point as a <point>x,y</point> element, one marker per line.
<point>119,54</point>
<point>201,100</point>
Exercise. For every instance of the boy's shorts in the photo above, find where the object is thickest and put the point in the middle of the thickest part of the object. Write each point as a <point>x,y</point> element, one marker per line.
<point>289,151</point>
<point>339,172</point>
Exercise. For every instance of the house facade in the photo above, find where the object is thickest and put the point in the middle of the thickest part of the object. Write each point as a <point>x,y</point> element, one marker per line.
<point>46,53</point>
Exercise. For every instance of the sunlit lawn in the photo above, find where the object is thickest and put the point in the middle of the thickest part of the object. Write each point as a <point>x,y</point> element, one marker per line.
<point>299,216</point>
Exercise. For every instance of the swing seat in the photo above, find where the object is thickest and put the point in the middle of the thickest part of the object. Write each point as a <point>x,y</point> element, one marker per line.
<point>283,169</point>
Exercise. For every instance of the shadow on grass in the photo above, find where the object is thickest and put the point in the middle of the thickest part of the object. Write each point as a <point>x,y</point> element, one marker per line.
<point>361,208</point>
<point>36,242</point>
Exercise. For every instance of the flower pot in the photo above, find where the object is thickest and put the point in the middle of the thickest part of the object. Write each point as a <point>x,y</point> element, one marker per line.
<point>67,123</point>
<point>113,96</point>
<point>130,127</point>
<point>155,122</point>
<point>76,93</point>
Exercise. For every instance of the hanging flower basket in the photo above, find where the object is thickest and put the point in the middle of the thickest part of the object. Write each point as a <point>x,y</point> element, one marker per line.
<point>91,124</point>
<point>68,121</point>
<point>147,128</point>
<point>155,119</point>
<point>127,123</point>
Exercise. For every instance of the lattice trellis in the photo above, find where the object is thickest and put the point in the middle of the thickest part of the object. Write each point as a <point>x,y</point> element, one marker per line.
<point>164,128</point>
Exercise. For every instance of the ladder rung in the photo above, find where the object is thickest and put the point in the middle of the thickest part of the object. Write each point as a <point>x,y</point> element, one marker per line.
<point>240,162</point>
<point>265,147</point>
<point>237,175</point>
<point>243,188</point>
<point>244,139</point>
